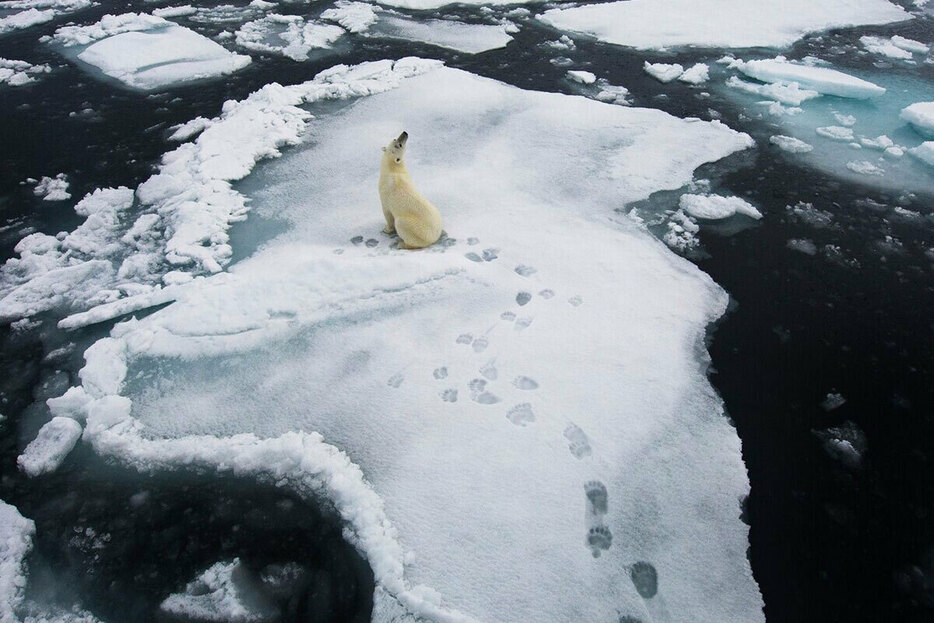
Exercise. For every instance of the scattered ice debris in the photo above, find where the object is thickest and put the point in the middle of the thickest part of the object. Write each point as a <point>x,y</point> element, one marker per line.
<point>785,93</point>
<point>921,117</point>
<point>896,47</point>
<point>844,120</point>
<point>227,591</point>
<point>53,188</point>
<point>715,207</point>
<point>287,35</point>
<point>583,77</point>
<point>821,79</point>
<point>832,401</point>
<point>611,93</point>
<point>467,38</point>
<point>845,443</point>
<point>809,215</point>
<point>864,167</point>
<point>836,132</point>
<point>562,44</point>
<point>16,533</point>
<point>924,152</point>
<point>663,72</point>
<point>682,232</point>
<point>698,74</point>
<point>50,447</point>
<point>802,245</point>
<point>671,299</point>
<point>663,24</point>
<point>882,142</point>
<point>355,17</point>
<point>790,144</point>
<point>17,73</point>
<point>17,14</point>
<point>147,52</point>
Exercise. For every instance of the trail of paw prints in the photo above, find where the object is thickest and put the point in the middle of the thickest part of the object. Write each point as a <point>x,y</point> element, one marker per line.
<point>521,414</point>
<point>479,393</point>
<point>479,344</point>
<point>578,442</point>
<point>599,538</point>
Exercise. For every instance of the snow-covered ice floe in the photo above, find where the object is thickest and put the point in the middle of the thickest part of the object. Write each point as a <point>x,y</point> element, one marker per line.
<point>146,52</point>
<point>716,207</point>
<point>896,47</point>
<point>494,426</point>
<point>54,442</point>
<point>810,78</point>
<point>17,14</point>
<point>658,24</point>
<point>17,73</point>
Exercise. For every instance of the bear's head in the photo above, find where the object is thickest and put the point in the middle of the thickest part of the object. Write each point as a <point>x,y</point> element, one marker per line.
<point>395,150</point>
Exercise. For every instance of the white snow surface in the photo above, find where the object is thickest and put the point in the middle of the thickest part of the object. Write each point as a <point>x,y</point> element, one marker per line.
<point>55,440</point>
<point>884,47</point>
<point>820,79</point>
<point>147,52</point>
<point>715,207</point>
<point>16,534</point>
<point>17,73</point>
<point>663,72</point>
<point>659,24</point>
<point>786,93</point>
<point>474,508</point>
<point>424,5</point>
<point>791,144</point>
<point>921,117</point>
<point>287,35</point>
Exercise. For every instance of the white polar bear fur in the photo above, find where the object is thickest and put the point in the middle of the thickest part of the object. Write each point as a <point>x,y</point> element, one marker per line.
<point>407,212</point>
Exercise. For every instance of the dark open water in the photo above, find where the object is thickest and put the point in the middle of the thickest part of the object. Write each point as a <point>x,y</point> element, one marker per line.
<point>828,543</point>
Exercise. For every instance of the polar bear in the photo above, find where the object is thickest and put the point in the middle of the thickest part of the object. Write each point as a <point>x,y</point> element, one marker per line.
<point>407,212</point>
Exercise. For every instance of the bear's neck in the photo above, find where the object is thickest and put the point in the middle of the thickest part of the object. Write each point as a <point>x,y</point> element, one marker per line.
<point>392,167</point>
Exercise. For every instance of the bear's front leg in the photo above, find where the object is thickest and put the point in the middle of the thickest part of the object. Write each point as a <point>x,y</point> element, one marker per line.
<point>390,223</point>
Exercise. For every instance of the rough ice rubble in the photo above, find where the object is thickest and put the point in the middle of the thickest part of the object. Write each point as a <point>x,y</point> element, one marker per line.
<point>715,207</point>
<point>663,72</point>
<point>352,16</point>
<point>224,592</point>
<point>26,13</point>
<point>785,93</point>
<point>921,117</point>
<point>17,73</point>
<point>820,79</point>
<point>658,24</point>
<point>16,534</point>
<point>55,440</point>
<point>287,35</point>
<point>428,459</point>
<point>147,52</point>
<point>53,188</point>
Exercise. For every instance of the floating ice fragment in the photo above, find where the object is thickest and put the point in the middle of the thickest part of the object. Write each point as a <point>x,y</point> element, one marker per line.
<point>17,73</point>
<point>836,132</point>
<point>583,77</point>
<point>354,16</point>
<point>845,443</point>
<point>786,93</point>
<point>287,35</point>
<point>16,533</point>
<point>924,152</point>
<point>832,401</point>
<point>50,447</point>
<point>821,79</point>
<point>864,167</point>
<point>698,74</point>
<point>885,47</point>
<point>663,72</point>
<point>468,38</point>
<point>53,188</point>
<point>715,207</point>
<point>790,144</point>
<point>802,245</point>
<point>227,591</point>
<point>921,117</point>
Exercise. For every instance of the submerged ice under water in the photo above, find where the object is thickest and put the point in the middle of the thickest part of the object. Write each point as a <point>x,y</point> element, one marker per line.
<point>263,348</point>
